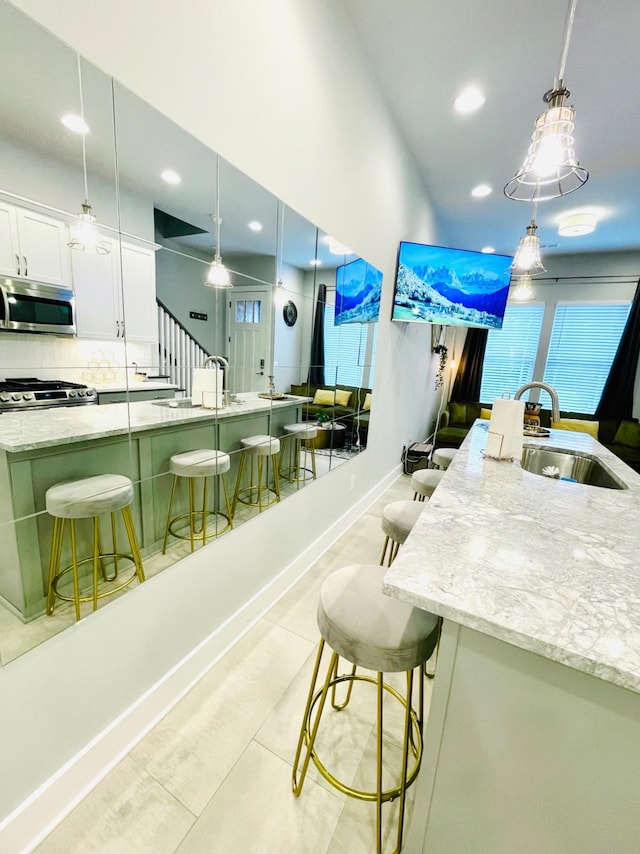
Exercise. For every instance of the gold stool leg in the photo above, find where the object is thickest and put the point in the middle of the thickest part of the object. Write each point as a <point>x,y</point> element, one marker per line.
<point>191,512</point>
<point>96,561</point>
<point>166,530</point>
<point>340,706</point>
<point>54,562</point>
<point>226,500</point>
<point>297,446</point>
<point>114,538</point>
<point>241,465</point>
<point>74,568</point>
<point>313,459</point>
<point>260,468</point>
<point>308,733</point>
<point>204,512</point>
<point>384,550</point>
<point>379,717</point>
<point>276,479</point>
<point>127,518</point>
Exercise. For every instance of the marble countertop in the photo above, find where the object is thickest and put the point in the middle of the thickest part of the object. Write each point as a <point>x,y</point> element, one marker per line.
<point>143,385</point>
<point>30,430</point>
<point>547,565</point>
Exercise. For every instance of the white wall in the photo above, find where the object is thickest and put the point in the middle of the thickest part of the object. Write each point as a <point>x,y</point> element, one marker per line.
<point>288,65</point>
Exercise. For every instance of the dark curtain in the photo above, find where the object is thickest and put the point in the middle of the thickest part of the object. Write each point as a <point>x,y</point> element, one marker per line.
<point>316,365</point>
<point>617,395</point>
<point>469,376</point>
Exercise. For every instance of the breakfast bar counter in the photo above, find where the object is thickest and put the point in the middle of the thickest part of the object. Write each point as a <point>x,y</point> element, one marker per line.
<point>533,737</point>
<point>39,449</point>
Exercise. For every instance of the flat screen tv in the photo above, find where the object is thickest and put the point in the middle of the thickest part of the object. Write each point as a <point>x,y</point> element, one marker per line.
<point>358,291</point>
<point>455,287</point>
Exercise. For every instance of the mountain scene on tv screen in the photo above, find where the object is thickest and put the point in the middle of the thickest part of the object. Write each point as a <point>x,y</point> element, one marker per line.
<point>441,295</point>
<point>358,292</point>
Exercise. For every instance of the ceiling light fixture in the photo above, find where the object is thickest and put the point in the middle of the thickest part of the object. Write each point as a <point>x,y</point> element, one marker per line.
<point>218,275</point>
<point>254,225</point>
<point>75,123</point>
<point>84,234</point>
<point>576,225</point>
<point>488,250</point>
<point>315,262</point>
<point>527,258</point>
<point>481,190</point>
<point>469,100</point>
<point>170,177</point>
<point>521,289</point>
<point>550,168</point>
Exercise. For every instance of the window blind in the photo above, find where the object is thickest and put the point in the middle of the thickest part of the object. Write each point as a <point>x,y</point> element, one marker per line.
<point>511,351</point>
<point>583,346</point>
<point>344,350</point>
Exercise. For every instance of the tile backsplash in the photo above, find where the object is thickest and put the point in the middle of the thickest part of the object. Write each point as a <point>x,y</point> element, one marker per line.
<point>73,359</point>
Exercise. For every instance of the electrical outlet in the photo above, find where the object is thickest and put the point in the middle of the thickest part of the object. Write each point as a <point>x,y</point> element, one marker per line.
<point>352,482</point>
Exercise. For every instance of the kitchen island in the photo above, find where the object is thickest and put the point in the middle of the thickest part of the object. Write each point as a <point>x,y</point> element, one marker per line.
<point>533,737</point>
<point>40,448</point>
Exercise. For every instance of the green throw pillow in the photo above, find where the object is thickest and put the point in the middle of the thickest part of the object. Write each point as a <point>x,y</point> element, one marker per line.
<point>628,434</point>
<point>457,413</point>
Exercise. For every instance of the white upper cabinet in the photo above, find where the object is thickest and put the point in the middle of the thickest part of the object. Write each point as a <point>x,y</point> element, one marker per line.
<point>33,246</point>
<point>114,301</point>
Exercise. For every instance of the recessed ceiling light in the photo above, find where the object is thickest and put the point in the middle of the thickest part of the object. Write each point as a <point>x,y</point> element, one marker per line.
<point>75,123</point>
<point>255,225</point>
<point>170,176</point>
<point>315,262</point>
<point>481,190</point>
<point>488,250</point>
<point>576,225</point>
<point>469,100</point>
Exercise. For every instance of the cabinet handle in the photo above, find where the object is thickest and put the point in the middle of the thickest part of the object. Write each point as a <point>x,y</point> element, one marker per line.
<point>117,328</point>
<point>18,263</point>
<point>26,269</point>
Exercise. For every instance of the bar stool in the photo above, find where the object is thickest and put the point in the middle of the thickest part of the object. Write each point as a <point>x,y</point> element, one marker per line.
<point>373,631</point>
<point>90,498</point>
<point>256,448</point>
<point>398,518</point>
<point>203,463</point>
<point>299,437</point>
<point>443,457</point>
<point>424,482</point>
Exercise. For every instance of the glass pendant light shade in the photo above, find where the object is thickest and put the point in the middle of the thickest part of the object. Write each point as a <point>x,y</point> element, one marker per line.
<point>84,234</point>
<point>527,258</point>
<point>521,289</point>
<point>550,168</point>
<point>218,275</point>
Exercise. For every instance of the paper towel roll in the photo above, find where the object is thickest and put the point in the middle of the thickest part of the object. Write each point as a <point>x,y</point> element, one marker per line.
<point>210,381</point>
<point>507,420</point>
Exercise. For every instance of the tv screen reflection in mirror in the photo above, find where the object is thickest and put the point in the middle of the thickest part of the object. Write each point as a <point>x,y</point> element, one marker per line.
<point>457,287</point>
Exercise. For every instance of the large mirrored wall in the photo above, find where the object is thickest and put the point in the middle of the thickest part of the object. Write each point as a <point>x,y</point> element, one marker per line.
<point>147,329</point>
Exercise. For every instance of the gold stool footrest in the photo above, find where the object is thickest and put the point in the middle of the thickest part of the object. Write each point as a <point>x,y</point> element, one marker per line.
<point>415,742</point>
<point>105,593</point>
<point>198,534</point>
<point>264,490</point>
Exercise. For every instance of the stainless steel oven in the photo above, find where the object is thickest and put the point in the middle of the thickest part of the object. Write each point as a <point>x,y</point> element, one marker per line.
<point>35,307</point>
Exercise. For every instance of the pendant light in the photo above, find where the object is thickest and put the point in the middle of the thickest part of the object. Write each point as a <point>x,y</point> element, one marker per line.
<point>521,288</point>
<point>550,169</point>
<point>84,234</point>
<point>527,258</point>
<point>218,275</point>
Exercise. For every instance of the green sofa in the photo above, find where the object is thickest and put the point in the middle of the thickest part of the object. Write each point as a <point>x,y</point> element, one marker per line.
<point>352,415</point>
<point>621,437</point>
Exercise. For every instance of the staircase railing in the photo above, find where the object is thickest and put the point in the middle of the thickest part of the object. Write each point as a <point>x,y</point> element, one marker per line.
<point>179,352</point>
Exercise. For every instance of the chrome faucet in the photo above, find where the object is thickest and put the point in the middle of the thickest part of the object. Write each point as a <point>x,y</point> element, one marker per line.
<point>553,394</point>
<point>220,360</point>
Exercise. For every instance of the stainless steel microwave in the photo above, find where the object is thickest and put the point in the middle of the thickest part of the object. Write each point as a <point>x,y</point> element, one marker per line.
<point>35,307</point>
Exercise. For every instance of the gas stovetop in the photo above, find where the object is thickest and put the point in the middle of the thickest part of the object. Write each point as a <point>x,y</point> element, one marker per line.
<point>32,393</point>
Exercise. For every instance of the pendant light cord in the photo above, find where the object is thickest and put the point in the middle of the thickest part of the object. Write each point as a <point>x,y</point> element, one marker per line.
<point>567,38</point>
<point>218,257</point>
<point>83,134</point>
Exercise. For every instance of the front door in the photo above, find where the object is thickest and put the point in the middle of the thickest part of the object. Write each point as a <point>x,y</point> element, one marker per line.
<point>250,344</point>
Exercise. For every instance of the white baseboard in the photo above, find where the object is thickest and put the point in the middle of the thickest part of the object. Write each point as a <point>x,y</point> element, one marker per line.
<point>38,815</point>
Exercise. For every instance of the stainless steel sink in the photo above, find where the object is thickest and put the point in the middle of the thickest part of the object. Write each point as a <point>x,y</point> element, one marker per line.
<point>172,403</point>
<point>569,465</point>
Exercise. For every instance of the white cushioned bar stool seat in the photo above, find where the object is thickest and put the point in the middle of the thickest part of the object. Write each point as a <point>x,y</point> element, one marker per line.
<point>90,498</point>
<point>203,463</point>
<point>424,483</point>
<point>398,519</point>
<point>373,631</point>
<point>443,457</point>
<point>256,449</point>
<point>299,439</point>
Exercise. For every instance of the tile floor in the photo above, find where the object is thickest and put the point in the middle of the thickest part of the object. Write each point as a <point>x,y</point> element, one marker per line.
<point>215,774</point>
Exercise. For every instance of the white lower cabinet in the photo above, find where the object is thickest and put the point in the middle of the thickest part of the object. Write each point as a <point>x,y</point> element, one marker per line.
<point>116,293</point>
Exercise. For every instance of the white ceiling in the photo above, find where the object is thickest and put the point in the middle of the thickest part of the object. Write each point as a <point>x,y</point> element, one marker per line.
<point>425,51</point>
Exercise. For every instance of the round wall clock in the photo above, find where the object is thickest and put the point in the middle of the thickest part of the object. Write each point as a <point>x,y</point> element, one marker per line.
<point>290,313</point>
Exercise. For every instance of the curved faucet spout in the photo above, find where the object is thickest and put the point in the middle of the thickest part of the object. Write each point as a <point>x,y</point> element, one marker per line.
<point>553,394</point>
<point>220,360</point>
